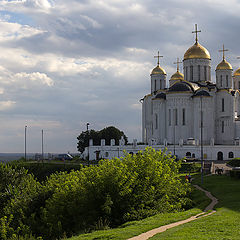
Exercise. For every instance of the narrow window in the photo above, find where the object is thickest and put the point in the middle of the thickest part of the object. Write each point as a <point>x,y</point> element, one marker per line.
<point>198,72</point>
<point>155,85</point>
<point>221,81</point>
<point>187,73</point>
<point>175,117</point>
<point>222,126</point>
<point>209,73</point>
<point>222,104</point>
<point>183,116</point>
<point>205,73</point>
<point>239,85</point>
<point>227,80</point>
<point>156,121</point>
<point>169,117</point>
<point>191,73</point>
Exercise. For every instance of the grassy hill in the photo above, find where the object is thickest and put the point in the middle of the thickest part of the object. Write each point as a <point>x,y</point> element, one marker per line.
<point>224,224</point>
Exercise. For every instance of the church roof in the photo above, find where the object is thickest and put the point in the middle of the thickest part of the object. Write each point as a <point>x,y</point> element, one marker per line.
<point>158,70</point>
<point>237,72</point>
<point>161,95</point>
<point>177,76</point>
<point>180,87</point>
<point>197,51</point>
<point>201,93</point>
<point>224,65</point>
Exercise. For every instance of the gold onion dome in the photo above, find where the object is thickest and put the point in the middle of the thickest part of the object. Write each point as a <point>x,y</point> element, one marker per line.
<point>158,70</point>
<point>237,72</point>
<point>197,51</point>
<point>224,65</point>
<point>177,76</point>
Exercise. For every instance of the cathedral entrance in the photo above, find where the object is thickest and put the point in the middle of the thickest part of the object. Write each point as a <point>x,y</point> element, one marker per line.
<point>219,156</point>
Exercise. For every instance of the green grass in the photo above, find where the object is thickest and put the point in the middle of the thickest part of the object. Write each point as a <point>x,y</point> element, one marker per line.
<point>134,228</point>
<point>224,224</point>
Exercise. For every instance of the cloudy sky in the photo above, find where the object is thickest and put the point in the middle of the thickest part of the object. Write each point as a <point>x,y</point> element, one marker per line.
<point>66,63</point>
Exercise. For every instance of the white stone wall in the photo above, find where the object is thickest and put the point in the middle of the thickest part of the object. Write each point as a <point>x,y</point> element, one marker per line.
<point>224,123</point>
<point>160,82</point>
<point>195,63</point>
<point>209,152</point>
<point>236,81</point>
<point>224,79</point>
<point>159,115</point>
<point>208,118</point>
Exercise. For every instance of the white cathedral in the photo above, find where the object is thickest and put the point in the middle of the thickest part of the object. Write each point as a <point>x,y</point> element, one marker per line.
<point>191,117</point>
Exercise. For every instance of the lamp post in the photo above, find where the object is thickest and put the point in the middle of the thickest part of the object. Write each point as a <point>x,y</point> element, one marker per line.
<point>88,142</point>
<point>25,143</point>
<point>42,147</point>
<point>201,126</point>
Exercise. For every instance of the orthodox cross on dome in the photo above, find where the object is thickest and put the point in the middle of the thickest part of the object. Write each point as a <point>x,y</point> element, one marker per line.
<point>196,32</point>
<point>158,56</point>
<point>177,62</point>
<point>223,50</point>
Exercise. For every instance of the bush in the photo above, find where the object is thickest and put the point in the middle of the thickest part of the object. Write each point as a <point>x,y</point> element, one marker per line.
<point>94,197</point>
<point>234,162</point>
<point>190,167</point>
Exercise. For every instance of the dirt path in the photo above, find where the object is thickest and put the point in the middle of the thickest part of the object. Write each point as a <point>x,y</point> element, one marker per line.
<point>152,232</point>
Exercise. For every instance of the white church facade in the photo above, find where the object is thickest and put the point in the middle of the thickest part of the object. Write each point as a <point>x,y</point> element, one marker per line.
<point>193,116</point>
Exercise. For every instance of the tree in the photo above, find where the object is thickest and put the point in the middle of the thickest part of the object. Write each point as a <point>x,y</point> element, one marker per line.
<point>107,133</point>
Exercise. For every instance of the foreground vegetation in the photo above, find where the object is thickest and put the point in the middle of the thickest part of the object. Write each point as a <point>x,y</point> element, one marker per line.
<point>134,228</point>
<point>95,197</point>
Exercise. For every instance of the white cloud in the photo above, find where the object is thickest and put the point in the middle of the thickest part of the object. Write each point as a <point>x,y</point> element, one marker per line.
<point>4,105</point>
<point>34,77</point>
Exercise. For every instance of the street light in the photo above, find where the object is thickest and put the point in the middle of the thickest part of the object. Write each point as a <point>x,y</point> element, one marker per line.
<point>88,142</point>
<point>25,143</point>
<point>42,147</point>
<point>201,126</point>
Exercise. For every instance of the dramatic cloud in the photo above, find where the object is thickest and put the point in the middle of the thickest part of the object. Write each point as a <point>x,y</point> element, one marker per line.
<point>65,63</point>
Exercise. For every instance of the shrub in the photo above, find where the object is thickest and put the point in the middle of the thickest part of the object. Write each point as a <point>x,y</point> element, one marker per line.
<point>94,197</point>
<point>234,162</point>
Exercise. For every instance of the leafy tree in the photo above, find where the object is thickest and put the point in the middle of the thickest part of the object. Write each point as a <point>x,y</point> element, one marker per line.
<point>107,133</point>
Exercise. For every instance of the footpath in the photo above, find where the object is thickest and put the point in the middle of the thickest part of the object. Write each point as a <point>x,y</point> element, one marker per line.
<point>205,213</point>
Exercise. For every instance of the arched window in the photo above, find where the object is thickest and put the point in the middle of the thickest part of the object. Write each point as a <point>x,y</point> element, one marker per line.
<point>230,155</point>
<point>221,81</point>
<point>156,121</point>
<point>188,154</point>
<point>193,155</point>
<point>205,73</point>
<point>183,116</point>
<point>191,73</point>
<point>169,117</point>
<point>222,104</point>
<point>226,80</point>
<point>187,73</point>
<point>219,156</point>
<point>155,85</point>
<point>106,154</point>
<point>198,72</point>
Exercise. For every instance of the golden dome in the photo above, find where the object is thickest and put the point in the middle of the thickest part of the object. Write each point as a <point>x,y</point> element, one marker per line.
<point>177,76</point>
<point>237,72</point>
<point>224,65</point>
<point>197,51</point>
<point>158,70</point>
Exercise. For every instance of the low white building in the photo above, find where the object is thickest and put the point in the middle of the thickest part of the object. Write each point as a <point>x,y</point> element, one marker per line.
<point>193,112</point>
